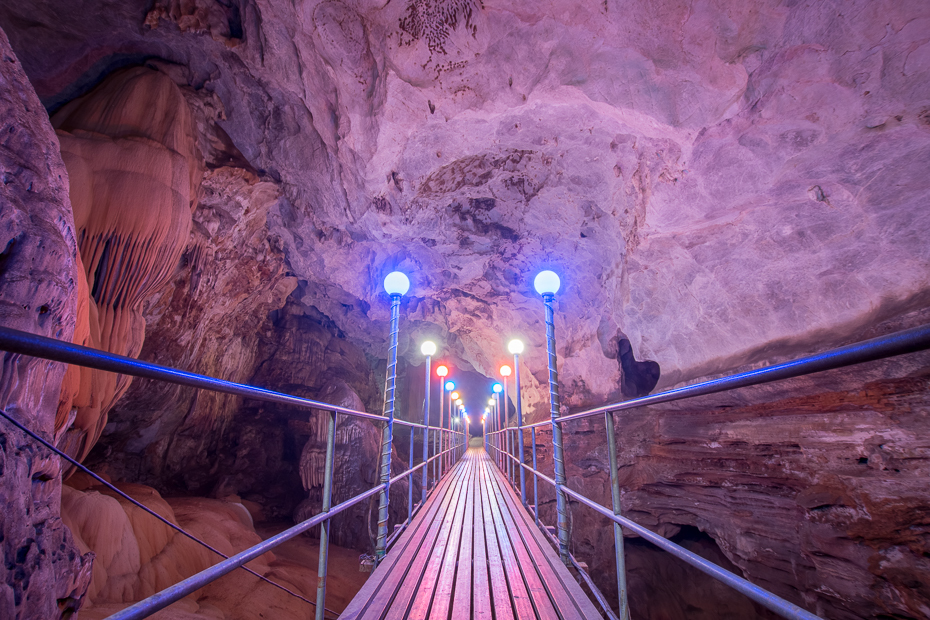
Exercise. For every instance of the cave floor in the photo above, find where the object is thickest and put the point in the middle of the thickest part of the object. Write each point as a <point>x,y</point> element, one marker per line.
<point>471,549</point>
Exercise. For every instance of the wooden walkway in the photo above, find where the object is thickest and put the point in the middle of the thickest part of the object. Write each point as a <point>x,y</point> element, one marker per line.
<point>472,552</point>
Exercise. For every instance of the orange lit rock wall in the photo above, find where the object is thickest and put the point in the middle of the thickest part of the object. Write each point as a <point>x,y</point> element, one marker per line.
<point>134,171</point>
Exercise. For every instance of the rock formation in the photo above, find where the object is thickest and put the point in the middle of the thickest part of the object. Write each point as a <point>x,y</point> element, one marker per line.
<point>721,185</point>
<point>134,173</point>
<point>43,575</point>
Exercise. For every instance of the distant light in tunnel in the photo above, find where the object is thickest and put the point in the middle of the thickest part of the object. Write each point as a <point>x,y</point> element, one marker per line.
<point>547,282</point>
<point>396,283</point>
<point>449,386</point>
<point>515,347</point>
<point>428,348</point>
<point>506,370</point>
<point>497,388</point>
<point>442,371</point>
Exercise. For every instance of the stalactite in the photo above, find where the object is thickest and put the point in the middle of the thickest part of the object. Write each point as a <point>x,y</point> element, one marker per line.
<point>135,172</point>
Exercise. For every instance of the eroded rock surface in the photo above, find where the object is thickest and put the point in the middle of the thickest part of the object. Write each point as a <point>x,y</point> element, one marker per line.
<point>815,492</point>
<point>44,574</point>
<point>720,185</point>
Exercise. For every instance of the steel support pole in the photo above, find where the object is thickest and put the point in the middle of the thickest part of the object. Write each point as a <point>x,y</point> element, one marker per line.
<point>410,482</point>
<point>507,462</point>
<point>519,404</point>
<point>500,431</point>
<point>561,502</point>
<point>326,525</point>
<point>535,479</point>
<point>423,483</point>
<point>437,434</point>
<point>618,531</point>
<point>387,436</point>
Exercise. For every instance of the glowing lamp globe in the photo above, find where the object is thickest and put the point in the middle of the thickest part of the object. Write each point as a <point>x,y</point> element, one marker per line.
<point>515,347</point>
<point>505,370</point>
<point>428,348</point>
<point>458,402</point>
<point>490,401</point>
<point>455,395</point>
<point>442,371</point>
<point>449,386</point>
<point>396,283</point>
<point>498,388</point>
<point>547,283</point>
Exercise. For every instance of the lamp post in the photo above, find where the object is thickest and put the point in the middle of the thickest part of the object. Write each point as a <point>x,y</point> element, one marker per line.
<point>498,444</point>
<point>506,371</point>
<point>516,348</point>
<point>492,411</point>
<point>442,372</point>
<point>395,284</point>
<point>458,410</point>
<point>428,349</point>
<point>547,284</point>
<point>450,386</point>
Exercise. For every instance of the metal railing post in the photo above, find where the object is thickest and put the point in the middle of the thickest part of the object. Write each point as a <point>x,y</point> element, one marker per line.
<point>507,462</point>
<point>410,482</point>
<point>561,501</point>
<point>519,404</point>
<point>326,525</point>
<point>618,531</point>
<point>424,482</point>
<point>535,479</point>
<point>387,435</point>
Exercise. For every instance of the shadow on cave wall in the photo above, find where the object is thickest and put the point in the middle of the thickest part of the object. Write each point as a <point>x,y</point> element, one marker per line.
<point>662,587</point>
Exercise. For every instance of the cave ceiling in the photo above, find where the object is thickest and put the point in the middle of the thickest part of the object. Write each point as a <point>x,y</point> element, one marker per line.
<point>716,182</point>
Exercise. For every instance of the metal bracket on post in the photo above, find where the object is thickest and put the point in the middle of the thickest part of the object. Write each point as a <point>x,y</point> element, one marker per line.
<point>387,434</point>
<point>327,524</point>
<point>618,531</point>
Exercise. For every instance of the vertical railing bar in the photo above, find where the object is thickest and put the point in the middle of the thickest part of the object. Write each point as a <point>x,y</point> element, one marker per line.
<point>535,480</point>
<point>410,482</point>
<point>618,531</point>
<point>326,526</point>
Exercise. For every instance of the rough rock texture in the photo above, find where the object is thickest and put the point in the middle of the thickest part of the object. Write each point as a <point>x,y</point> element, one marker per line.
<point>715,181</point>
<point>137,556</point>
<point>720,184</point>
<point>813,489</point>
<point>43,575</point>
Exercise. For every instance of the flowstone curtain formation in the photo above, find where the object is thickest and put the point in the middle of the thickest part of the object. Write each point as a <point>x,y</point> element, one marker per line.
<point>135,172</point>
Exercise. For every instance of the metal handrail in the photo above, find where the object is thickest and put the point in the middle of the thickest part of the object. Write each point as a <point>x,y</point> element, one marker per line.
<point>899,343</point>
<point>16,341</point>
<point>24,343</point>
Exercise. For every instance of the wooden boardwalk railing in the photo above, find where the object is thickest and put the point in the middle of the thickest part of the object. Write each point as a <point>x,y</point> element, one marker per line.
<point>471,552</point>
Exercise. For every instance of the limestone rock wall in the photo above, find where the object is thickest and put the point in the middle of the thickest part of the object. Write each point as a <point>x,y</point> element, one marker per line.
<point>43,574</point>
<point>717,183</point>
<point>812,489</point>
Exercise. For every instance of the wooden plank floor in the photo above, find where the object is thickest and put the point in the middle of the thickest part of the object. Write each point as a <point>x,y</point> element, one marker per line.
<point>472,552</point>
